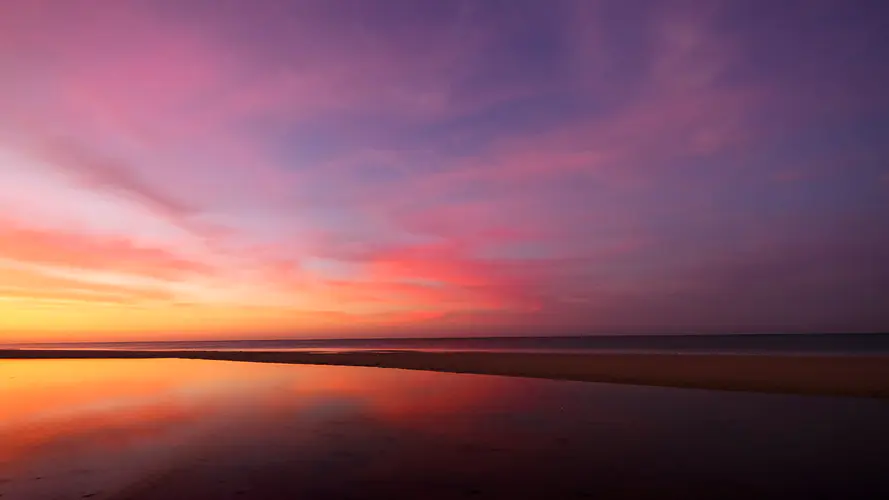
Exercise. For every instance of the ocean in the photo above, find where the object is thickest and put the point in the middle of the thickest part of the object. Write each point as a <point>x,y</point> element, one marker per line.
<point>784,344</point>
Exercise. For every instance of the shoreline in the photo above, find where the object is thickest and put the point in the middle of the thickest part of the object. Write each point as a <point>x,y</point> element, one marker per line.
<point>825,375</point>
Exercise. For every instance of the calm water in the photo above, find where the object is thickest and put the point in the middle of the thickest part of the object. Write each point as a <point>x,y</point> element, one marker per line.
<point>156,428</point>
<point>847,344</point>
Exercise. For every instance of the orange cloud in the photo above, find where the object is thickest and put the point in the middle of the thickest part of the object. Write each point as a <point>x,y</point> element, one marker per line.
<point>81,251</point>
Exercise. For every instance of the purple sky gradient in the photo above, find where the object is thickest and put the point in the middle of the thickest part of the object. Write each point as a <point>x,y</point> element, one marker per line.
<point>176,169</point>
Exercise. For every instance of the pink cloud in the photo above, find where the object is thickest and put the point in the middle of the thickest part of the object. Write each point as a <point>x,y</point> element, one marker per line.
<point>82,251</point>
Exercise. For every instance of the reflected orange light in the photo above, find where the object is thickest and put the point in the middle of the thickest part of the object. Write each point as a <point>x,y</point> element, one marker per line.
<point>159,412</point>
<point>103,402</point>
<point>414,400</point>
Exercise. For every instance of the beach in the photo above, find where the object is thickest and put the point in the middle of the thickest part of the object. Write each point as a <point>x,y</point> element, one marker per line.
<point>826,375</point>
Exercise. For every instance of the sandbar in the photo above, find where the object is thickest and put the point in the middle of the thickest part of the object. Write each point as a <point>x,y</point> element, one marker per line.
<point>828,375</point>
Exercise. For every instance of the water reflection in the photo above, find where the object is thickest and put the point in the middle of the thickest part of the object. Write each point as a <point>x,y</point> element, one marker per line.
<point>160,428</point>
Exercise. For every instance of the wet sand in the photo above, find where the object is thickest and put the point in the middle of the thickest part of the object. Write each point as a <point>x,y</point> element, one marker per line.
<point>835,375</point>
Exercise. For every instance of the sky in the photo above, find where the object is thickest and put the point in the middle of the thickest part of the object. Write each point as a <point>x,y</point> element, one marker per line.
<point>177,169</point>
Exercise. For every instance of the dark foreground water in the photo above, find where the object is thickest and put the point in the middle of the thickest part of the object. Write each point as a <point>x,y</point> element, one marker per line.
<point>172,428</point>
<point>845,344</point>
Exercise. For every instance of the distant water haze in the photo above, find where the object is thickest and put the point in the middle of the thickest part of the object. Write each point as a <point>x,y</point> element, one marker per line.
<point>787,344</point>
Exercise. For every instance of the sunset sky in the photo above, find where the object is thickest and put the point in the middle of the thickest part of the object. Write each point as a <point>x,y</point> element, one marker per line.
<point>175,169</point>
